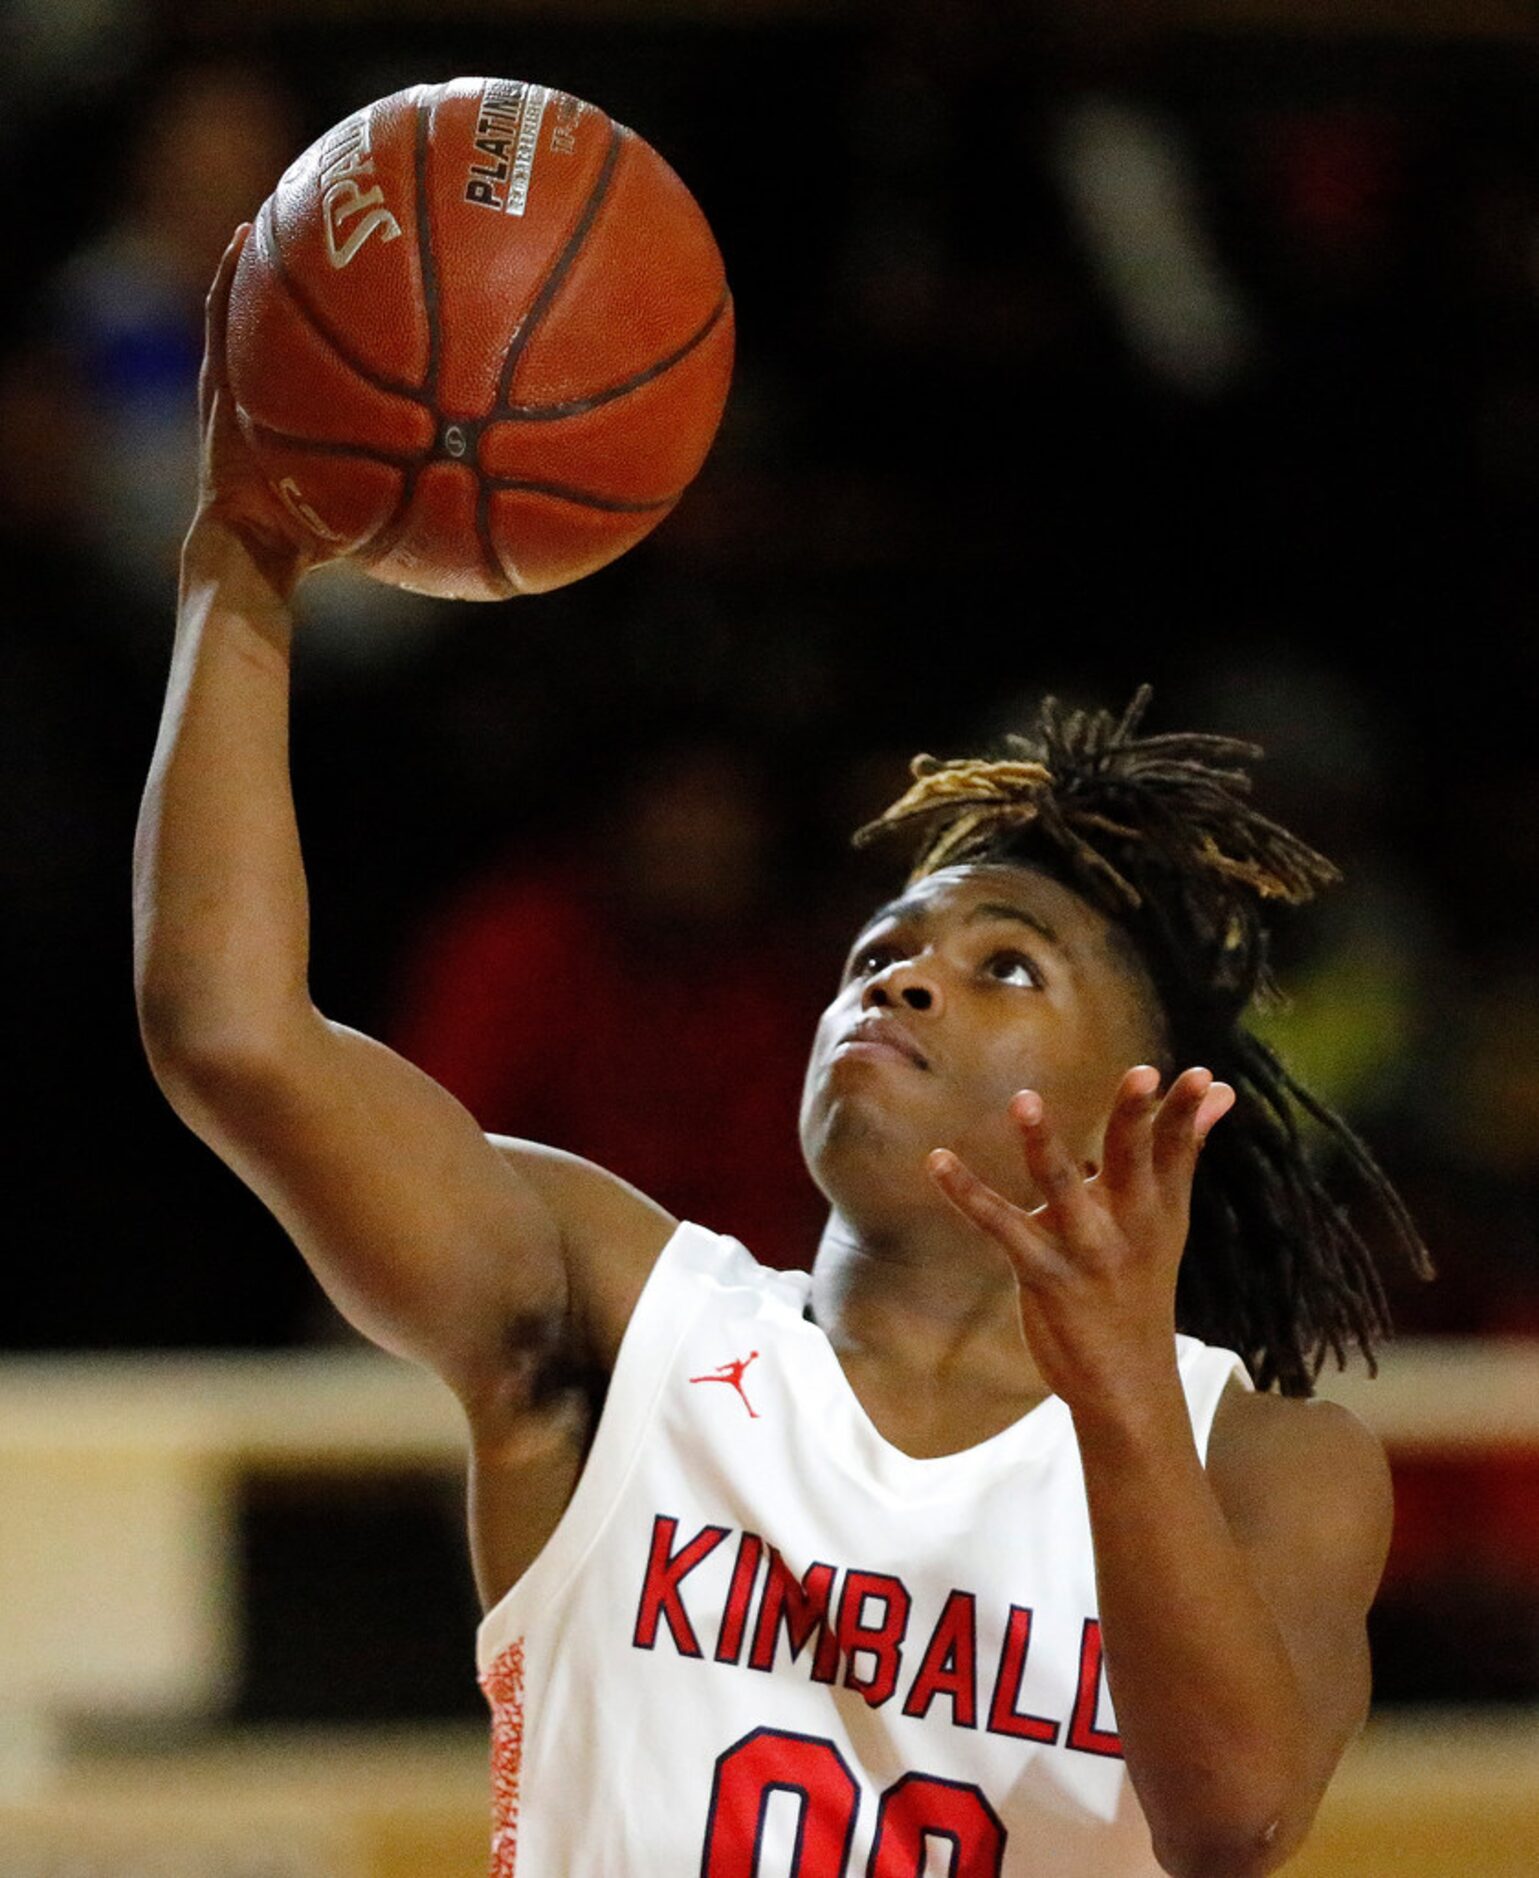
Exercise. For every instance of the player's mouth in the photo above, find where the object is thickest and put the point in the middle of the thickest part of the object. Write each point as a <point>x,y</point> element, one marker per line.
<point>882,1036</point>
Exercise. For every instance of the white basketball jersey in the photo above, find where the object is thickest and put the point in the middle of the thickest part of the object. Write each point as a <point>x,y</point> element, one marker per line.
<point>763,1642</point>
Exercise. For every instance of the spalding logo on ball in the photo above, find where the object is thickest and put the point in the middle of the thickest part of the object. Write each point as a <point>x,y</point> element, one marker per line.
<point>480,339</point>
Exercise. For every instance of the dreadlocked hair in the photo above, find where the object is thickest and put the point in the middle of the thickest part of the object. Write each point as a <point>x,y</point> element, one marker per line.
<point>1157,832</point>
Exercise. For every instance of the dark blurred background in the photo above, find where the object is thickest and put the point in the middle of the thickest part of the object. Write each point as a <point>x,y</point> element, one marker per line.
<point>1079,345</point>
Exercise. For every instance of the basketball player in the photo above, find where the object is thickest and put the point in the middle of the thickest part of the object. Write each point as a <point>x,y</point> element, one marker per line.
<point>978,1551</point>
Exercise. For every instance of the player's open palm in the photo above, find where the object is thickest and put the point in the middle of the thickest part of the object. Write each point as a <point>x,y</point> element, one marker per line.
<point>1096,1261</point>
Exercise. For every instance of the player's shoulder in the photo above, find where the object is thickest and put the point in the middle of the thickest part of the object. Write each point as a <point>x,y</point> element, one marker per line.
<point>1269,1455</point>
<point>1260,1428</point>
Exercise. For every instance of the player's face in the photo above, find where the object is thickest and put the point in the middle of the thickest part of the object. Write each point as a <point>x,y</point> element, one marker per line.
<point>978,982</point>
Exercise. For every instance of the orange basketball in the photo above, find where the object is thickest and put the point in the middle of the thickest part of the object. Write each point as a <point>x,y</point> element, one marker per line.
<point>480,338</point>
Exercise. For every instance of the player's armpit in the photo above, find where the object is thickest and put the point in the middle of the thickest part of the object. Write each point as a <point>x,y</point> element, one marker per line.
<point>429,1241</point>
<point>1306,1491</point>
<point>611,1236</point>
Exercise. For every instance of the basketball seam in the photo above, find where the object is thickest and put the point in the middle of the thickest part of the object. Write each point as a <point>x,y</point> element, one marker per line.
<point>426,258</point>
<point>583,498</point>
<point>538,307</point>
<point>489,548</point>
<point>492,564</point>
<point>561,267</point>
<point>319,325</point>
<point>577,407</point>
<point>390,531</point>
<point>317,446</point>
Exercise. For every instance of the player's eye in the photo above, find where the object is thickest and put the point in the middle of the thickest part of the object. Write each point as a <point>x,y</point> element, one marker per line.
<point>1012,968</point>
<point>873,958</point>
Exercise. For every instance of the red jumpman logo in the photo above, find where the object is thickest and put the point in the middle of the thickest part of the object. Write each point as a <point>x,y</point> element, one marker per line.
<point>733,1373</point>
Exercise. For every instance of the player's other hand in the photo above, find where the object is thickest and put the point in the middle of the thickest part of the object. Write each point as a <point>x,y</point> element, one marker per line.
<point>240,525</point>
<point>1096,1262</point>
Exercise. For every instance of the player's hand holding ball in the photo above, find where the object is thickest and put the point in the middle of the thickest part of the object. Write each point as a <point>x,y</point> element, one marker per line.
<point>478,341</point>
<point>241,530</point>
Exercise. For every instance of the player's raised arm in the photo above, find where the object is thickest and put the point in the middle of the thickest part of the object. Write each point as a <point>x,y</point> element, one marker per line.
<point>430,1240</point>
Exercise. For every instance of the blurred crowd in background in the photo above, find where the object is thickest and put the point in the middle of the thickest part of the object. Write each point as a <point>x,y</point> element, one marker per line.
<point>1080,345</point>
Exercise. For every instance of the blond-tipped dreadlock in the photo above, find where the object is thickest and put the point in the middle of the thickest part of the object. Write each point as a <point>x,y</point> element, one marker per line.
<point>1158,833</point>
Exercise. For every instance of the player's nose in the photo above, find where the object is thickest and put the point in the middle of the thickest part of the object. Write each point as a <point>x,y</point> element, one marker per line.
<point>906,983</point>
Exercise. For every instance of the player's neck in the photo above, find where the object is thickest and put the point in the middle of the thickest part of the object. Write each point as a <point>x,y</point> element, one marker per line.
<point>927,1302</point>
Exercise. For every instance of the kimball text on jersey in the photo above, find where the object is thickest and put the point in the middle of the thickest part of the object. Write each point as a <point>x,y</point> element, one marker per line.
<point>861,1619</point>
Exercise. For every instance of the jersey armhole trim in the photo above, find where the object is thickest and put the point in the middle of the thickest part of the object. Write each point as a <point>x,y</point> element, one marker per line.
<point>662,1318</point>
<point>1206,1373</point>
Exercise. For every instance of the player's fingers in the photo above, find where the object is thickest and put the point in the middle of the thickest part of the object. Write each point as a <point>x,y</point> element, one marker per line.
<point>1174,1137</point>
<point>1125,1152</point>
<point>1216,1104</point>
<point>216,315</point>
<point>1058,1176</point>
<point>982,1207</point>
